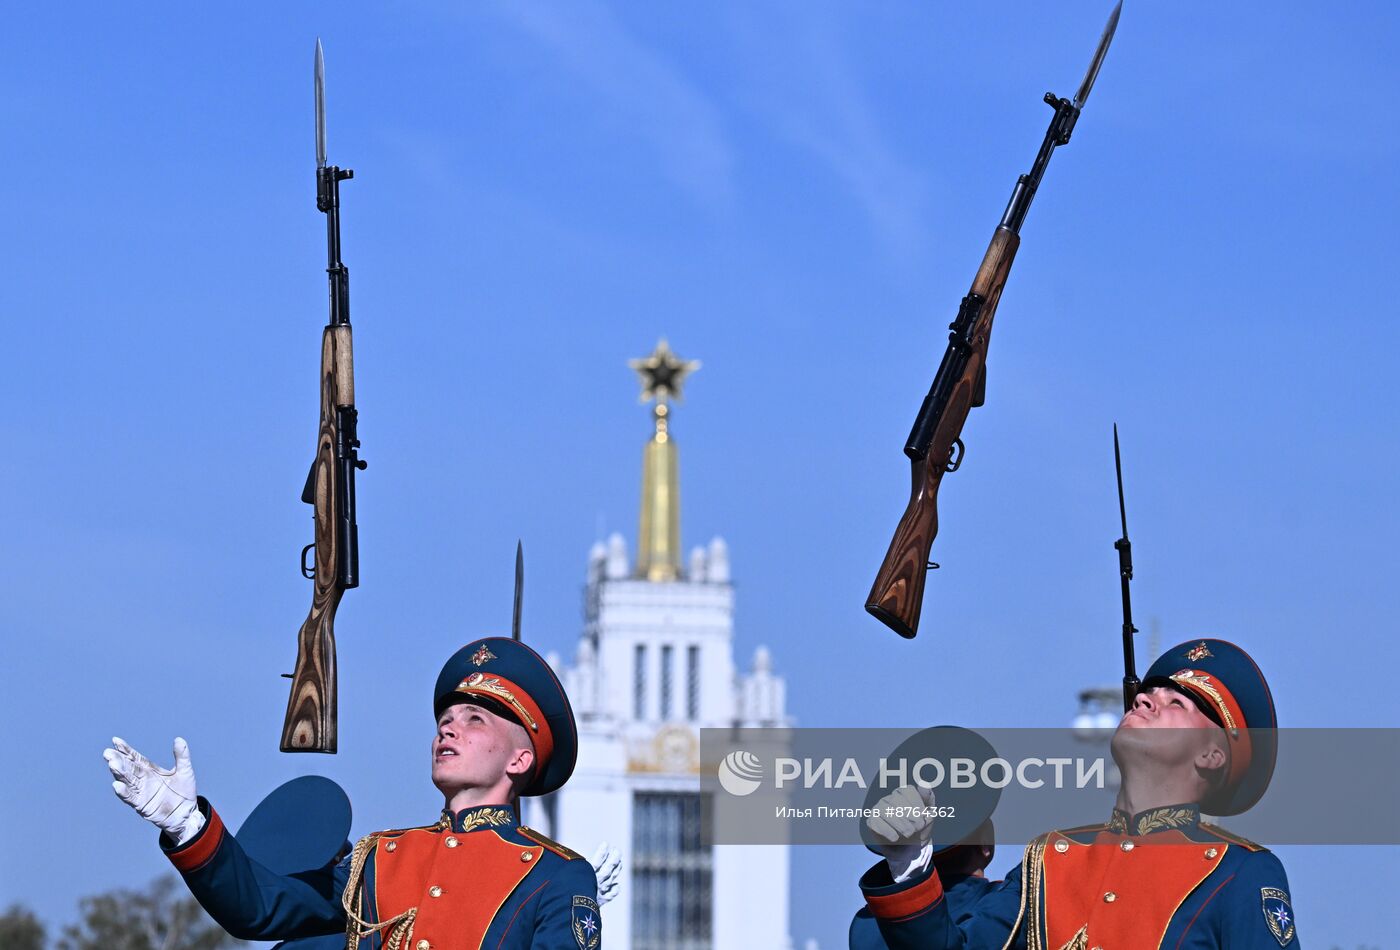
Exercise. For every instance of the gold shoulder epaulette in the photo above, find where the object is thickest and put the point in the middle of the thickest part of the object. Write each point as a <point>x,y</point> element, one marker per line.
<point>550,843</point>
<point>1232,837</point>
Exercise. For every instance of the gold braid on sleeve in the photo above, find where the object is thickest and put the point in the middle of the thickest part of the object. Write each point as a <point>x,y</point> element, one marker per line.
<point>1031,864</point>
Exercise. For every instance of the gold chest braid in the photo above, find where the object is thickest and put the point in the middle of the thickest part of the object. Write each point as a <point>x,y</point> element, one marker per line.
<point>435,885</point>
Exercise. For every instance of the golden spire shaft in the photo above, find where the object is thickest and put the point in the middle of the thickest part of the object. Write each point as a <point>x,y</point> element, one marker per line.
<point>659,554</point>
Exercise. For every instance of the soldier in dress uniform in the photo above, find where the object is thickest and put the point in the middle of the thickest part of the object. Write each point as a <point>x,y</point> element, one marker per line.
<point>1201,736</point>
<point>474,878</point>
<point>959,848</point>
<point>959,868</point>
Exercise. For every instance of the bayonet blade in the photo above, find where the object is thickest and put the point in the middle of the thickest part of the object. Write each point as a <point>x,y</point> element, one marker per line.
<point>1118,467</point>
<point>519,590</point>
<point>1082,95</point>
<point>320,106</point>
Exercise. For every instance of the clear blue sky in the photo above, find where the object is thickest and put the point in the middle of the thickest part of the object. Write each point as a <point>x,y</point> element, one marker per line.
<point>795,193</point>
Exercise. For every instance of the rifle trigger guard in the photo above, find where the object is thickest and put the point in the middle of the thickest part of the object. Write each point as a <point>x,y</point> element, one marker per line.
<point>308,572</point>
<point>931,566</point>
<point>955,455</point>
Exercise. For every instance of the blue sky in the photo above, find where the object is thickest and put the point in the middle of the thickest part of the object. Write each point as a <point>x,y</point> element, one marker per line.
<point>796,194</point>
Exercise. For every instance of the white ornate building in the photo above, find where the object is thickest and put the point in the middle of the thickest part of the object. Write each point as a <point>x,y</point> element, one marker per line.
<point>655,664</point>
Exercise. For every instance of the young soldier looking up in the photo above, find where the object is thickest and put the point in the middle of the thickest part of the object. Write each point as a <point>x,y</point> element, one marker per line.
<point>474,878</point>
<point>1201,736</point>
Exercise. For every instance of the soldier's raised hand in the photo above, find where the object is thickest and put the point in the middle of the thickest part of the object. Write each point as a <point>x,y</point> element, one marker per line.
<point>164,797</point>
<point>903,829</point>
<point>607,864</point>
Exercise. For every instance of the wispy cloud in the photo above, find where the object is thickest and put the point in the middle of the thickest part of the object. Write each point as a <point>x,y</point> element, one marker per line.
<point>815,100</point>
<point>651,93</point>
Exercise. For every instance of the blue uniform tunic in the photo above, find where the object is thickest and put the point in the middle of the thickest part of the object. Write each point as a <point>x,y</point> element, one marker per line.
<point>475,879</point>
<point>1160,878</point>
<point>962,892</point>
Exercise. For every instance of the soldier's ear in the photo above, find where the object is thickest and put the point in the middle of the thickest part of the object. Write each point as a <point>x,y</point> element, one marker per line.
<point>1213,760</point>
<point>521,763</point>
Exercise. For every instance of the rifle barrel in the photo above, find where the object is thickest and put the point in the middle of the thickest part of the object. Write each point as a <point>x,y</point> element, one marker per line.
<point>1125,576</point>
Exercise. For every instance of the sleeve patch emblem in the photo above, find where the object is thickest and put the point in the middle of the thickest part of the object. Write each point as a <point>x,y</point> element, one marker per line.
<point>586,923</point>
<point>1277,914</point>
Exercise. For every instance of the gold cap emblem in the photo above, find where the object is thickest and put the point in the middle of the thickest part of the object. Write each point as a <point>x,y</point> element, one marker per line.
<point>1197,652</point>
<point>481,655</point>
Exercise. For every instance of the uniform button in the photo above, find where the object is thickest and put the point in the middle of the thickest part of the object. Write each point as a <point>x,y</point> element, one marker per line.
<point>423,945</point>
<point>391,846</point>
<point>526,856</point>
<point>1109,897</point>
<point>1211,853</point>
<point>1062,846</point>
<point>451,841</point>
<point>1127,846</point>
<point>434,891</point>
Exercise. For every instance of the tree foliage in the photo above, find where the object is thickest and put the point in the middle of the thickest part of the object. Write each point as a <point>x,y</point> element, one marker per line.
<point>161,917</point>
<point>20,929</point>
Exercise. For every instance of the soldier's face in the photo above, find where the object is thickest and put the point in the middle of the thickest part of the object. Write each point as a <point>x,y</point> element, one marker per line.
<point>475,748</point>
<point>1168,727</point>
<point>1164,708</point>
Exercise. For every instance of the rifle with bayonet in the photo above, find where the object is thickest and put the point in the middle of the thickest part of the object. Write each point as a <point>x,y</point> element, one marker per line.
<point>310,724</point>
<point>935,445</point>
<point>1124,547</point>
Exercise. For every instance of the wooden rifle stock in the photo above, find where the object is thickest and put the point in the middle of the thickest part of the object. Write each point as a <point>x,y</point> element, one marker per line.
<point>310,723</point>
<point>898,592</point>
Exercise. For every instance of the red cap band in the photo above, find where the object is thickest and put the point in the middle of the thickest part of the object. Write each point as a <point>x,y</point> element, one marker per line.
<point>1231,715</point>
<point>504,691</point>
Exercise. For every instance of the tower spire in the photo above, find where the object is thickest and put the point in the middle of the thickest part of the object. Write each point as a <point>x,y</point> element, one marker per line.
<point>659,540</point>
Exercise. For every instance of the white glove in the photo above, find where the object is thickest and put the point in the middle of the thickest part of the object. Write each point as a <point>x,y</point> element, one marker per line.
<point>164,797</point>
<point>607,864</point>
<point>904,826</point>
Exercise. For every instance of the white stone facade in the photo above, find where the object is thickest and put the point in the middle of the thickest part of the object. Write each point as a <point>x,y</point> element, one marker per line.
<point>655,663</point>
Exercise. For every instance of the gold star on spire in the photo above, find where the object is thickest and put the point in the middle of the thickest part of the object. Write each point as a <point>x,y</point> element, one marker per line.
<point>662,373</point>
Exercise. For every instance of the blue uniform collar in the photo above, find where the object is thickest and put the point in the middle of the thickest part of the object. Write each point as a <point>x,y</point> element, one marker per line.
<point>1184,817</point>
<point>479,818</point>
